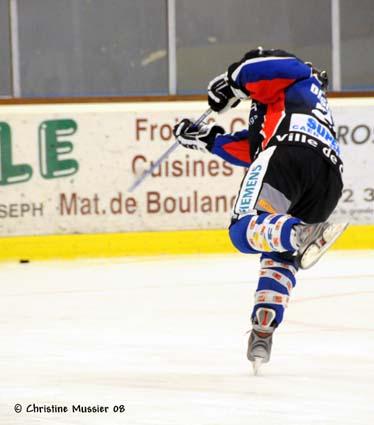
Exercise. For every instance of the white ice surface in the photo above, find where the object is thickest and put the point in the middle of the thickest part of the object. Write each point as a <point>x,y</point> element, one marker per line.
<point>166,338</point>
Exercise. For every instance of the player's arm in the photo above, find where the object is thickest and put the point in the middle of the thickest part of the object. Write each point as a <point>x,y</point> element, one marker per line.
<point>262,75</point>
<point>233,148</point>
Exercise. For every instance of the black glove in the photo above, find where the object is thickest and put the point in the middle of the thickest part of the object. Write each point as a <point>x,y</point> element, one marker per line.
<point>221,96</point>
<point>201,137</point>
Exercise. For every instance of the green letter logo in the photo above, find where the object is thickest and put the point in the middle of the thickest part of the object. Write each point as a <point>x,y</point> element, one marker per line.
<point>52,148</point>
<point>10,173</point>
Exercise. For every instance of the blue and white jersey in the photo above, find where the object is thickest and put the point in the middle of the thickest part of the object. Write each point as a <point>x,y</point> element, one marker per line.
<point>289,106</point>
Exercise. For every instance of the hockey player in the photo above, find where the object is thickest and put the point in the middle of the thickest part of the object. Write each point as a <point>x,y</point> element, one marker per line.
<point>294,178</point>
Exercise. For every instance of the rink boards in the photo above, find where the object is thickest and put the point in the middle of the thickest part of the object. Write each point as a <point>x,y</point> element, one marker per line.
<point>66,170</point>
<point>145,243</point>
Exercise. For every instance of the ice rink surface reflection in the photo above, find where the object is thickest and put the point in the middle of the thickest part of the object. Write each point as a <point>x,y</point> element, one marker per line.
<point>165,337</point>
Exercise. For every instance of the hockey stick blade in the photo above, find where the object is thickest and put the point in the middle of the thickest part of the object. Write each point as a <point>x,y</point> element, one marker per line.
<point>162,158</point>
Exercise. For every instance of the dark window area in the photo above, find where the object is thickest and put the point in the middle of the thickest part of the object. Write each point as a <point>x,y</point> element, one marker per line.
<point>211,34</point>
<point>5,67</point>
<point>93,47</point>
<point>120,47</point>
<point>357,40</point>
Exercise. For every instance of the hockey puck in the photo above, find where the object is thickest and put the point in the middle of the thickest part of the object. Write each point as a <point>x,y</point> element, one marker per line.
<point>24,261</point>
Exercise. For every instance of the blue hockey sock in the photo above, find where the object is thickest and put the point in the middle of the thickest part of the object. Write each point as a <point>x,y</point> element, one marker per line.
<point>277,279</point>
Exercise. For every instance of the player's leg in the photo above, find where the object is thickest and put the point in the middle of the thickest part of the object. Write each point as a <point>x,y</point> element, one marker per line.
<point>281,181</point>
<point>296,181</point>
<point>276,282</point>
<point>321,188</point>
<point>273,235</point>
<point>260,224</point>
<point>266,232</point>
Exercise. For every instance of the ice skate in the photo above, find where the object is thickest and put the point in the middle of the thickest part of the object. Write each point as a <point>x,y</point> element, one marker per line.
<point>314,240</point>
<point>260,338</point>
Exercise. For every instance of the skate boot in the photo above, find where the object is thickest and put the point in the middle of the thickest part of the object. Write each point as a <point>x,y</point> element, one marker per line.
<point>314,240</point>
<point>261,338</point>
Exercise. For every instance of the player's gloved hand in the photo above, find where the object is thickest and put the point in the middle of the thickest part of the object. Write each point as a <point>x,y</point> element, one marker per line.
<point>199,137</point>
<point>221,96</point>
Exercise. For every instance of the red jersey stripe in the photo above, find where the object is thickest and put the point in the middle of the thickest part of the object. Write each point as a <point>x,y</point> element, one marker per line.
<point>239,149</point>
<point>268,91</point>
<point>274,115</point>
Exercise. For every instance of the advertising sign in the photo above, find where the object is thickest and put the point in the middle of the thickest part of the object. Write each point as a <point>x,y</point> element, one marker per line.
<point>67,168</point>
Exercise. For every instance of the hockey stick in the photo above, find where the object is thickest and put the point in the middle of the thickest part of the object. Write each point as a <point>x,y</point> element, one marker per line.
<point>172,148</point>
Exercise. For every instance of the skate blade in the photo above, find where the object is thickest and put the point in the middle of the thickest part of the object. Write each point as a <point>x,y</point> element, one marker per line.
<point>315,251</point>
<point>256,364</point>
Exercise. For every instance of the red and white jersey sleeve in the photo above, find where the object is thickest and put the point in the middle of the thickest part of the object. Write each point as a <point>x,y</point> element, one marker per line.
<point>265,77</point>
